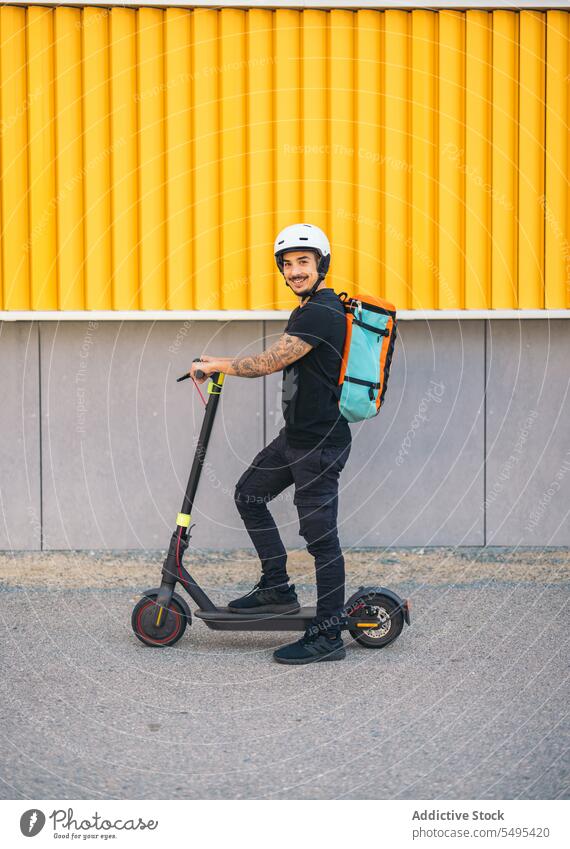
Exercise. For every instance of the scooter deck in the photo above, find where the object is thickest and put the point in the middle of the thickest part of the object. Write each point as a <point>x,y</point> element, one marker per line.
<point>224,619</point>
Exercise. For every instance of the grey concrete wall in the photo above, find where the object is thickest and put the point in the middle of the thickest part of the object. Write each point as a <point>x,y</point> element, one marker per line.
<point>472,446</point>
<point>528,433</point>
<point>118,432</point>
<point>20,501</point>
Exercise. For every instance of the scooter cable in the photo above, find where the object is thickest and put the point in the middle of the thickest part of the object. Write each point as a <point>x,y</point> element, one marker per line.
<point>204,402</point>
<point>182,581</point>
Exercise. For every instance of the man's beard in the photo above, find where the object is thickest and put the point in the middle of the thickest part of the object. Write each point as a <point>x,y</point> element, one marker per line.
<point>303,292</point>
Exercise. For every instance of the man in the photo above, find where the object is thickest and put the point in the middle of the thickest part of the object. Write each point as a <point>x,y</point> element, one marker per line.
<point>309,452</point>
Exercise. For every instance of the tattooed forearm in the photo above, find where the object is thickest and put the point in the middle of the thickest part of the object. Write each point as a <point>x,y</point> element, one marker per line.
<point>285,351</point>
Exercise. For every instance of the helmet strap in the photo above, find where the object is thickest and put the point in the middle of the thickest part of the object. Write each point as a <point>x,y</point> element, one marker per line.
<point>316,285</point>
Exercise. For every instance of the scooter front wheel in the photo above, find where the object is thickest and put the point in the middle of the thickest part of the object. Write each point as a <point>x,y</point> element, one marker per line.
<point>172,622</point>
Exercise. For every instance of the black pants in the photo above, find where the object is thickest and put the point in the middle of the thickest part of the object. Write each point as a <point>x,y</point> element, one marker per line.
<point>315,473</point>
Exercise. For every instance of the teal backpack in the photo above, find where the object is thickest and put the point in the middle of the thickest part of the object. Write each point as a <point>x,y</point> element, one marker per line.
<point>371,330</point>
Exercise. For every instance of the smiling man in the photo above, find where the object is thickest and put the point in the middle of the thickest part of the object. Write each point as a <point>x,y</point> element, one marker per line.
<point>309,452</point>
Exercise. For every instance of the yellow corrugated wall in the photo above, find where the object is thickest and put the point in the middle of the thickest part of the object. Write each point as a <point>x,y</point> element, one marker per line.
<point>148,157</point>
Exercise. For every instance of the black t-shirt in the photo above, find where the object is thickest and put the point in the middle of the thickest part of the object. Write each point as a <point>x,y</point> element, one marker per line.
<point>310,385</point>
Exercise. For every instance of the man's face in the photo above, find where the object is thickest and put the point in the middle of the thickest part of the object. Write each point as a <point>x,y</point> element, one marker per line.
<point>300,270</point>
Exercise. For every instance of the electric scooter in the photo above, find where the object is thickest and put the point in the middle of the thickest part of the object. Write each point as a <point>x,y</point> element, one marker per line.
<point>374,616</point>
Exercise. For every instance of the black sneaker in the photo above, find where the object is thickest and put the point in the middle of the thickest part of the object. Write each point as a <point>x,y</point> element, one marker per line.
<point>264,599</point>
<point>314,646</point>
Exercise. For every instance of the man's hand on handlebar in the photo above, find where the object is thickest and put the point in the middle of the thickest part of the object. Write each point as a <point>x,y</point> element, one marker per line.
<point>206,366</point>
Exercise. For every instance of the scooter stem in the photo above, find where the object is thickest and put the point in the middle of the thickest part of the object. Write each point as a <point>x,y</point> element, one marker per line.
<point>172,569</point>
<point>214,392</point>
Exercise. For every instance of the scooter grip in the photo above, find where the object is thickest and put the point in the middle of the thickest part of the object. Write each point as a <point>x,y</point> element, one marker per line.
<point>199,374</point>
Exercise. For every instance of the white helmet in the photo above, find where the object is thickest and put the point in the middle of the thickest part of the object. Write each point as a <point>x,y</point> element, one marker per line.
<point>296,237</point>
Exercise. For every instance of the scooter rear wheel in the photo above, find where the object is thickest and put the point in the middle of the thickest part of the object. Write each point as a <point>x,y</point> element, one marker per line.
<point>378,608</point>
<point>172,625</point>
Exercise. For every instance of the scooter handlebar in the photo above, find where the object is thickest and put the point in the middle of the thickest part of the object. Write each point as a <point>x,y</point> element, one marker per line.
<point>199,374</point>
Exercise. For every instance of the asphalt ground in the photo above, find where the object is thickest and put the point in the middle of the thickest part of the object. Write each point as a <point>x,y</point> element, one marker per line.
<point>471,702</point>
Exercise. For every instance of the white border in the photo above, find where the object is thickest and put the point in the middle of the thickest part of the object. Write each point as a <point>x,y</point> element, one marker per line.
<point>257,315</point>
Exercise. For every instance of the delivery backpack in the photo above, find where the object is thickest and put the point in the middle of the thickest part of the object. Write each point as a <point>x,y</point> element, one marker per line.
<point>367,356</point>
